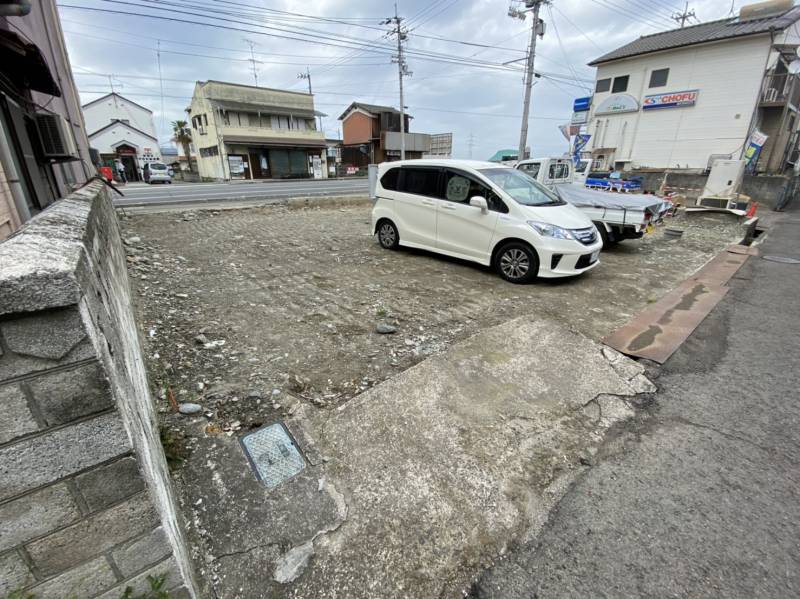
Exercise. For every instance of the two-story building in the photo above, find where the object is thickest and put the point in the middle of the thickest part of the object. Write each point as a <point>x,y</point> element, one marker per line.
<point>246,132</point>
<point>681,98</point>
<point>371,134</point>
<point>120,129</point>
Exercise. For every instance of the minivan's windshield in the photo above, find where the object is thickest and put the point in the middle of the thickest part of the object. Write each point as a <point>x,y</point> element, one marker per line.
<point>524,189</point>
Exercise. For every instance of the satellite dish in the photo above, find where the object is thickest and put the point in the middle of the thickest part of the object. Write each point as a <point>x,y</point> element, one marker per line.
<point>794,66</point>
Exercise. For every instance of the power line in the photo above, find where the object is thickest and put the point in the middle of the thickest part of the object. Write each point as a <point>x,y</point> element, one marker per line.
<point>432,57</point>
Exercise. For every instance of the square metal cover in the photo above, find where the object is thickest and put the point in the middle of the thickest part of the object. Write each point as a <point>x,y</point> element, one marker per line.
<point>273,454</point>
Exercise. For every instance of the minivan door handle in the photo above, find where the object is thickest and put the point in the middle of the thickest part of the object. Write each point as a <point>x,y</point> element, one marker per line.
<point>427,203</point>
<point>448,207</point>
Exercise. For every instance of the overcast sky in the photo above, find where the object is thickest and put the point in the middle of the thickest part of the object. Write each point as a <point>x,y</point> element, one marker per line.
<point>437,94</point>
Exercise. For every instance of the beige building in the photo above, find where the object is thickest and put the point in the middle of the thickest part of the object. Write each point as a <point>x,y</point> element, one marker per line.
<point>246,132</point>
<point>44,152</point>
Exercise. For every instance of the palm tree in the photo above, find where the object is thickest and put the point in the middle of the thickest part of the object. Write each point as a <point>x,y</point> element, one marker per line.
<point>183,135</point>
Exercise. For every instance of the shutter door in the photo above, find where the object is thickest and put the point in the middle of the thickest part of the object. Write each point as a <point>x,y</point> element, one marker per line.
<point>279,164</point>
<point>299,160</point>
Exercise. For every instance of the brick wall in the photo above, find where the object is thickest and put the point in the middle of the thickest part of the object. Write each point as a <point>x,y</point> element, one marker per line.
<point>86,508</point>
<point>357,128</point>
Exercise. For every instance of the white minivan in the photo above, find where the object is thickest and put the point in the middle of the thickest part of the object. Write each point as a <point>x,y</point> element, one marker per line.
<point>484,212</point>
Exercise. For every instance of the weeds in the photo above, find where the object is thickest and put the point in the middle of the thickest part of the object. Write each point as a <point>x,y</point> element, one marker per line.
<point>156,591</point>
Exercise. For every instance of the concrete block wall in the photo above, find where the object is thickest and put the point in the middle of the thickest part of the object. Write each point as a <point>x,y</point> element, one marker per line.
<point>86,507</point>
<point>764,189</point>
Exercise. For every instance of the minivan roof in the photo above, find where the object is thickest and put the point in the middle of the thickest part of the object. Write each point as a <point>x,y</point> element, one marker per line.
<point>476,164</point>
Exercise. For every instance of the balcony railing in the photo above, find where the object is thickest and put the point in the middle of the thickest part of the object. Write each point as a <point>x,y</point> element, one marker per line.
<point>778,89</point>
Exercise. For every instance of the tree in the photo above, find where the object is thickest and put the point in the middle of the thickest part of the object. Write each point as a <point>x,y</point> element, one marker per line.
<point>183,136</point>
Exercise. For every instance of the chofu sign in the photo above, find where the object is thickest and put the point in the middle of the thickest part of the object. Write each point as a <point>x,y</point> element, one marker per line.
<point>670,100</point>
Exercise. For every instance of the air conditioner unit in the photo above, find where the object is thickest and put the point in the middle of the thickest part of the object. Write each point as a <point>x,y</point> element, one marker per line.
<point>56,137</point>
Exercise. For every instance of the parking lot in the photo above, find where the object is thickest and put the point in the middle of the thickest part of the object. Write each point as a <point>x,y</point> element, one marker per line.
<point>275,298</point>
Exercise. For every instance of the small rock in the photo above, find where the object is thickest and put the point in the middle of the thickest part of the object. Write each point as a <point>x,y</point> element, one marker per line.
<point>254,394</point>
<point>133,240</point>
<point>201,339</point>
<point>182,295</point>
<point>385,329</point>
<point>187,409</point>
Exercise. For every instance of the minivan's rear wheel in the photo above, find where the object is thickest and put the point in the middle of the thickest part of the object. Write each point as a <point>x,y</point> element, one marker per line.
<point>517,262</point>
<point>388,236</point>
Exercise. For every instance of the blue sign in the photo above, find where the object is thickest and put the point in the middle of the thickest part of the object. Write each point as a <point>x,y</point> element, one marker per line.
<point>581,104</point>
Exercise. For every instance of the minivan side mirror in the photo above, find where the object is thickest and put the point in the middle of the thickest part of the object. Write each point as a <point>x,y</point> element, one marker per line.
<point>479,202</point>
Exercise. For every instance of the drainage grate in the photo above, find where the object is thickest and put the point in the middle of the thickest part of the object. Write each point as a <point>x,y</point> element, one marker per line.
<point>782,259</point>
<point>273,454</point>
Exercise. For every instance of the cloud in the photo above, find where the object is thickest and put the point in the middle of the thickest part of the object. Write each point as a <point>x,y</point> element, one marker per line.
<point>586,28</point>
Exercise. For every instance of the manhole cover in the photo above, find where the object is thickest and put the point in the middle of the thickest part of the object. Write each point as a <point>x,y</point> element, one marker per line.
<point>782,259</point>
<point>273,454</point>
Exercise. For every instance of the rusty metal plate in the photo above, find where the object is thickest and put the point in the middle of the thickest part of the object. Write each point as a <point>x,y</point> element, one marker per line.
<point>660,329</point>
<point>743,249</point>
<point>720,269</point>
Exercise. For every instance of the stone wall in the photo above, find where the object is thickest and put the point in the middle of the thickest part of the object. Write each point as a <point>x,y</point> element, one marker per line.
<point>86,506</point>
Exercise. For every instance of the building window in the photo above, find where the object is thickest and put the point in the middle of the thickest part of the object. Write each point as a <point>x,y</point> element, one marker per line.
<point>602,85</point>
<point>205,120</point>
<point>226,118</point>
<point>620,84</point>
<point>658,78</point>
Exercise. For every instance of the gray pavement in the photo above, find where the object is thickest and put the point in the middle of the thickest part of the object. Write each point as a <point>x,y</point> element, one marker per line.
<point>700,496</point>
<point>138,194</point>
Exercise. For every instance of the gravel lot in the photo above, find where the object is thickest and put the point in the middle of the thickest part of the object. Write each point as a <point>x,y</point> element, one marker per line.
<point>270,301</point>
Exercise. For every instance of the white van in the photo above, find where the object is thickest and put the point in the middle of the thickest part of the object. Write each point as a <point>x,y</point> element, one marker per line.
<point>483,212</point>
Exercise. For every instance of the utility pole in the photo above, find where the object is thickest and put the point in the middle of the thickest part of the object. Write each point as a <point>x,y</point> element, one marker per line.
<point>161,85</point>
<point>307,75</point>
<point>682,17</point>
<point>252,59</point>
<point>537,30</point>
<point>470,143</point>
<point>402,71</point>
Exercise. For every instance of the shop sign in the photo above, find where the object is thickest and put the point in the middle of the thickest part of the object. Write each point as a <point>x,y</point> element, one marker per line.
<point>579,118</point>
<point>671,100</point>
<point>616,104</point>
<point>236,165</point>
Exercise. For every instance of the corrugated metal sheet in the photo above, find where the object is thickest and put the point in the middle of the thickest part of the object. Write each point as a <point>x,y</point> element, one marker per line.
<point>699,34</point>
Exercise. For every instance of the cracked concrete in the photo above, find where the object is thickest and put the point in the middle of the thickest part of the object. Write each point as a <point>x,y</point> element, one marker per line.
<point>416,485</point>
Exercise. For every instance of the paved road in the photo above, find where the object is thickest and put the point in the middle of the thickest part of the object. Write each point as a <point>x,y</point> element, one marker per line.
<point>178,193</point>
<point>702,497</point>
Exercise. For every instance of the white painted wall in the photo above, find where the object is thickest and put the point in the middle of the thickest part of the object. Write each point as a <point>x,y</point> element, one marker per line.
<point>728,75</point>
<point>105,142</point>
<point>101,113</point>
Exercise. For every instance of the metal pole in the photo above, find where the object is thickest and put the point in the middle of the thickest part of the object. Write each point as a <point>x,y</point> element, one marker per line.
<point>523,132</point>
<point>400,75</point>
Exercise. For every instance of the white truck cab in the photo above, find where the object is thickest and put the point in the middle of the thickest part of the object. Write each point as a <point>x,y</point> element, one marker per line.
<point>548,171</point>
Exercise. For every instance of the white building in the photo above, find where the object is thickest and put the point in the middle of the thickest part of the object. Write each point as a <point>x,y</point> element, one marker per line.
<point>122,129</point>
<point>678,98</point>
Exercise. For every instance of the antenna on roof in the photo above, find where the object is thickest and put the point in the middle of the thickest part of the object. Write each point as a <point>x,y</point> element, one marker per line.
<point>682,17</point>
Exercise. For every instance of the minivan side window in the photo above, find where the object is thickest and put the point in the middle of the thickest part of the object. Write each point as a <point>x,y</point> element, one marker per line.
<point>460,188</point>
<point>390,178</point>
<point>420,181</point>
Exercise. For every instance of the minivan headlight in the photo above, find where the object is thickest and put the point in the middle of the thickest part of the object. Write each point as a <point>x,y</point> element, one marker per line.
<point>548,230</point>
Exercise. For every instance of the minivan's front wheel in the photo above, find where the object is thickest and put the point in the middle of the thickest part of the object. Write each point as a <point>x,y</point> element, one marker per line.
<point>517,262</point>
<point>387,235</point>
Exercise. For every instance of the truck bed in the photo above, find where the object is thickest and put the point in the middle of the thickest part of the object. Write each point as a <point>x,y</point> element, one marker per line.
<point>613,208</point>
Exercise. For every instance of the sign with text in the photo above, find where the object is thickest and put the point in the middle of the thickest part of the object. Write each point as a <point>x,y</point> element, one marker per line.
<point>579,118</point>
<point>617,103</point>
<point>671,100</point>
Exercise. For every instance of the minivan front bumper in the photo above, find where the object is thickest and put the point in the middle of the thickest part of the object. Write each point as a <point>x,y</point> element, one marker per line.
<point>567,258</point>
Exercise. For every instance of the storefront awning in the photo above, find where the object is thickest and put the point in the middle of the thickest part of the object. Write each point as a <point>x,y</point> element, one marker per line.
<point>24,65</point>
<point>273,142</point>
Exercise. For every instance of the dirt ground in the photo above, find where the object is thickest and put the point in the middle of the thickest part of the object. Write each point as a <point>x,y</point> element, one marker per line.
<point>272,300</point>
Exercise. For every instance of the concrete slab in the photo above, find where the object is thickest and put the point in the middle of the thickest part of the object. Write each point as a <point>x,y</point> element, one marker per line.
<point>425,479</point>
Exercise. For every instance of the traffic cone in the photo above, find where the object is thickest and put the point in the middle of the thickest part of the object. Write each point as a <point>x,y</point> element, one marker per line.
<point>752,210</point>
